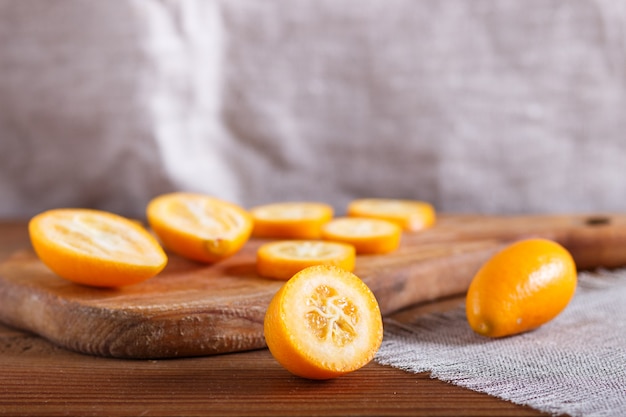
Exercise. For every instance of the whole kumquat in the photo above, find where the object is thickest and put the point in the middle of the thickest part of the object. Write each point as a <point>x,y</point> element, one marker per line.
<point>520,288</point>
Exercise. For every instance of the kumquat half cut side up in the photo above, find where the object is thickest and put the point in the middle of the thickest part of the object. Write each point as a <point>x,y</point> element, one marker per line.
<point>323,323</point>
<point>199,227</point>
<point>522,287</point>
<point>95,248</point>
<point>411,215</point>
<point>283,259</point>
<point>368,236</point>
<point>291,220</point>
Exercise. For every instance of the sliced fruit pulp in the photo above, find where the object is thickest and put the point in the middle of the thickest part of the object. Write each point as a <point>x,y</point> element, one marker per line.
<point>94,235</point>
<point>307,250</point>
<point>201,217</point>
<point>335,318</point>
<point>290,211</point>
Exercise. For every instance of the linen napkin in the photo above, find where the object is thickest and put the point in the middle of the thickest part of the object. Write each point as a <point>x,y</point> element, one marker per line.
<point>575,364</point>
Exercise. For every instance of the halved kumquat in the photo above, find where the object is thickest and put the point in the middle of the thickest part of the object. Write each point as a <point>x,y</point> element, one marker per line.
<point>324,322</point>
<point>199,227</point>
<point>283,259</point>
<point>95,248</point>
<point>290,220</point>
<point>368,236</point>
<point>411,215</point>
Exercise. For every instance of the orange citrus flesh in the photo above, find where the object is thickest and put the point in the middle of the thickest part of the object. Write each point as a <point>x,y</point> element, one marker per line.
<point>199,227</point>
<point>282,259</point>
<point>368,236</point>
<point>290,220</point>
<point>95,248</point>
<point>324,322</point>
<point>411,215</point>
<point>520,288</point>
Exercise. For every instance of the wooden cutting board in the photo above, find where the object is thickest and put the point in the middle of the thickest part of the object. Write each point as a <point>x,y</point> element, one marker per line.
<point>192,309</point>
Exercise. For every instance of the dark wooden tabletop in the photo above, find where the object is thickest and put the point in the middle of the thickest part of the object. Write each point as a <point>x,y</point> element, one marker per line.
<point>39,378</point>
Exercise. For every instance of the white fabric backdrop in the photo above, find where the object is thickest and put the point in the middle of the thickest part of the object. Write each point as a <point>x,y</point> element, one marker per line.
<point>494,106</point>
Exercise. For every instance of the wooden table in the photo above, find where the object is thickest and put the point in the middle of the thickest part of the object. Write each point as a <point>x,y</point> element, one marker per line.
<point>38,378</point>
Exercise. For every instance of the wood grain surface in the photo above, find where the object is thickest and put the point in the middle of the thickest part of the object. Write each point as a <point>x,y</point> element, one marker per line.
<point>195,310</point>
<point>40,378</point>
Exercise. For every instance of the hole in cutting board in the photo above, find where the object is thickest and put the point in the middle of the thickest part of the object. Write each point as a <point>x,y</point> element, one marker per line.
<point>597,221</point>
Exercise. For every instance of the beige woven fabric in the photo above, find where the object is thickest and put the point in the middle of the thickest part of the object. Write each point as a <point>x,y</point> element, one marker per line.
<point>492,106</point>
<point>575,364</point>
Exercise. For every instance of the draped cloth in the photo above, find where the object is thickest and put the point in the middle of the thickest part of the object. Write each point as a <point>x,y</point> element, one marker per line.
<point>490,106</point>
